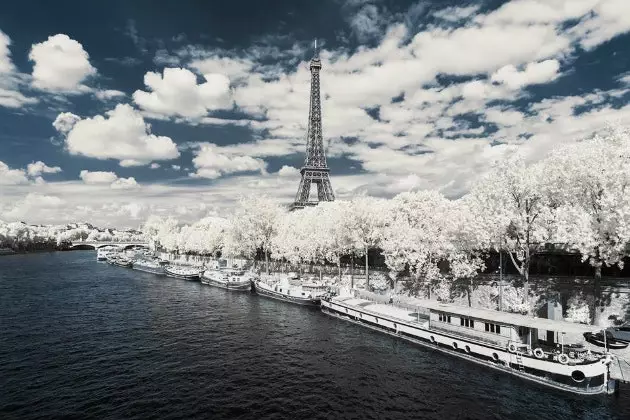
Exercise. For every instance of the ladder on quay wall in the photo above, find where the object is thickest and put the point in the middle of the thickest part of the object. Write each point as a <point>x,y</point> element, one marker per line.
<point>519,360</point>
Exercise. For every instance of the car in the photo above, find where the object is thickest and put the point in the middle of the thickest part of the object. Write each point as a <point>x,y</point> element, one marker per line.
<point>621,333</point>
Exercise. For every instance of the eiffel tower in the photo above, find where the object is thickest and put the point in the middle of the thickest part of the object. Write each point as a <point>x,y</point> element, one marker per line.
<point>315,169</point>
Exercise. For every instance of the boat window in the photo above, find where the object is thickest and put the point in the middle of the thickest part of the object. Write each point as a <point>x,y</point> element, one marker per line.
<point>444,318</point>
<point>467,322</point>
<point>493,328</point>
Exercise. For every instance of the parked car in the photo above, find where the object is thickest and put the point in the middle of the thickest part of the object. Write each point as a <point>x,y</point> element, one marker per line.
<point>621,333</point>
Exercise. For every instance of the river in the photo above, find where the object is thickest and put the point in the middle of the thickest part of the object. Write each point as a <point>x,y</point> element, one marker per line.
<point>81,339</point>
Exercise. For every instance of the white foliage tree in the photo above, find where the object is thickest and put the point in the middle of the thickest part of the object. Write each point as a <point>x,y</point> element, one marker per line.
<point>514,212</point>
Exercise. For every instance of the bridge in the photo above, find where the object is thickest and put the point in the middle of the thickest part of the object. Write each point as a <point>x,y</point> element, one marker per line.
<point>101,244</point>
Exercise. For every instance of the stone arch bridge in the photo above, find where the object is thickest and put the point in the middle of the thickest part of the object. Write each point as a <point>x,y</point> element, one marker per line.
<point>101,244</point>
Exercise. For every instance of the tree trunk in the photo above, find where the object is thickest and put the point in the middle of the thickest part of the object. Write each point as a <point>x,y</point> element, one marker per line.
<point>267,262</point>
<point>469,292</point>
<point>339,265</point>
<point>367,273</point>
<point>596,311</point>
<point>525,272</point>
<point>352,271</point>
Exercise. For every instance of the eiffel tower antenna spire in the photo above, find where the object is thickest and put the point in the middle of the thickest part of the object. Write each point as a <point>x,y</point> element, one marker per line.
<point>315,169</point>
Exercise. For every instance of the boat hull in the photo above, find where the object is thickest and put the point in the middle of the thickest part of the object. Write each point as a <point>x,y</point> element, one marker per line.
<point>156,271</point>
<point>551,374</point>
<point>313,302</point>
<point>240,286</point>
<point>190,277</point>
<point>598,340</point>
<point>121,264</point>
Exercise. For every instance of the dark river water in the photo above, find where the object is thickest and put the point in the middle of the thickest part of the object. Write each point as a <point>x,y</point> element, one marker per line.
<point>81,339</point>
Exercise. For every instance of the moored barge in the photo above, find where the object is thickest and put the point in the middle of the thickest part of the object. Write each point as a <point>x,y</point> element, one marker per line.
<point>532,348</point>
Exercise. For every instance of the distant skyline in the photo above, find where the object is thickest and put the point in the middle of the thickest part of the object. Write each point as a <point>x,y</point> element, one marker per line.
<point>113,111</point>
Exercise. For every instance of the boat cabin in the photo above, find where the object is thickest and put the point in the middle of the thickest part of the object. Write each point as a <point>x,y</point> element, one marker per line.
<point>503,329</point>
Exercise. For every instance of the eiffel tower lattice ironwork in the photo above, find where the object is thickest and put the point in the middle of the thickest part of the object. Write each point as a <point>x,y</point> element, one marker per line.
<point>315,169</point>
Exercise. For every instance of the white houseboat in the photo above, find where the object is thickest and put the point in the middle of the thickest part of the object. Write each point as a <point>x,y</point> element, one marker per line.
<point>149,265</point>
<point>291,289</point>
<point>537,349</point>
<point>119,260</point>
<point>228,278</point>
<point>103,252</point>
<point>182,272</point>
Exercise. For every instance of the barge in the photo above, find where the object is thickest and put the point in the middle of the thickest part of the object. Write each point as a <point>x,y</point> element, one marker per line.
<point>531,348</point>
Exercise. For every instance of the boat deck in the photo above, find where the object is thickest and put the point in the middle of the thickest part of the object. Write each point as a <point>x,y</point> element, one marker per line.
<point>388,310</point>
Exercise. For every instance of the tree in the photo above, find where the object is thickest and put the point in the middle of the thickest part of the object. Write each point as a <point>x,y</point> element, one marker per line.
<point>255,223</point>
<point>367,218</point>
<point>591,179</point>
<point>513,212</point>
<point>418,237</point>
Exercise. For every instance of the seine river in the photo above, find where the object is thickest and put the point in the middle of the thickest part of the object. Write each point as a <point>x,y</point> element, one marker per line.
<point>81,339</point>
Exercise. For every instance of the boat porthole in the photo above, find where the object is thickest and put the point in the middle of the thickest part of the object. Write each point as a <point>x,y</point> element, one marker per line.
<point>495,357</point>
<point>455,345</point>
<point>433,339</point>
<point>578,376</point>
<point>467,349</point>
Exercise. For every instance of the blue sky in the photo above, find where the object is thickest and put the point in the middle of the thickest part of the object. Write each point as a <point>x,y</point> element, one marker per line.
<point>110,111</point>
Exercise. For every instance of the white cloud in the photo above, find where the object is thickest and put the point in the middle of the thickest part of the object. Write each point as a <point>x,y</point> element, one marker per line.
<point>124,183</point>
<point>234,68</point>
<point>107,94</point>
<point>455,14</point>
<point>366,22</point>
<point>65,121</point>
<point>212,161</point>
<point>288,171</point>
<point>10,79</point>
<point>155,165</point>
<point>60,65</point>
<point>97,177</point>
<point>6,65</point>
<point>35,169</point>
<point>10,176</point>
<point>108,178</point>
<point>176,167</point>
<point>33,203</point>
<point>534,73</point>
<point>178,94</point>
<point>122,134</point>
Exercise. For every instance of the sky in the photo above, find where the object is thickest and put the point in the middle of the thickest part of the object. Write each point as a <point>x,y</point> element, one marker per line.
<point>112,111</point>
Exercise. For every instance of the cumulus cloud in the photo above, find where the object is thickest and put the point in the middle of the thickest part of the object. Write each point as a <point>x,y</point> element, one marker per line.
<point>35,169</point>
<point>533,73</point>
<point>10,79</point>
<point>108,178</point>
<point>155,165</point>
<point>121,134</point>
<point>211,161</point>
<point>33,202</point>
<point>288,171</point>
<point>97,177</point>
<point>10,176</point>
<point>6,65</point>
<point>366,22</point>
<point>124,183</point>
<point>107,94</point>
<point>60,65</point>
<point>177,93</point>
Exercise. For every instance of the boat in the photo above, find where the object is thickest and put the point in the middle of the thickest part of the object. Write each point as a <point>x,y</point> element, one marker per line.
<point>149,265</point>
<point>120,261</point>
<point>621,333</point>
<point>291,289</point>
<point>6,251</point>
<point>531,348</point>
<point>182,272</point>
<point>103,252</point>
<point>607,341</point>
<point>228,278</point>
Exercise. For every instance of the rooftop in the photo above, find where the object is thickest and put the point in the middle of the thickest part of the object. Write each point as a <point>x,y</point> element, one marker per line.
<point>508,318</point>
